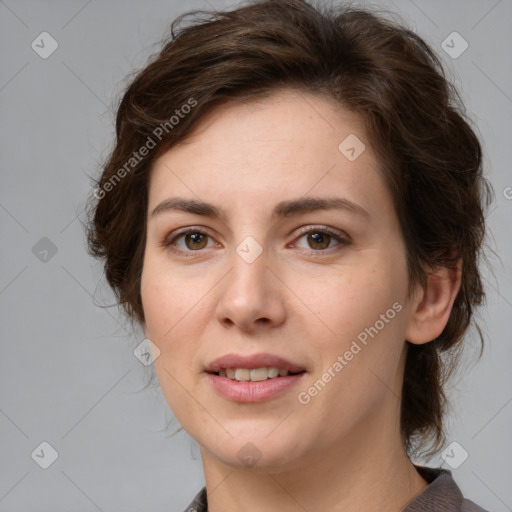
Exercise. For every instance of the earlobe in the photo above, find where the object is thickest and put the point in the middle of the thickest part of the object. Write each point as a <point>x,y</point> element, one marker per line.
<point>433,304</point>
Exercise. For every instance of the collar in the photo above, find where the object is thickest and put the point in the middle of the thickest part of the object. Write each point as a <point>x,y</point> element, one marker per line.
<point>442,493</point>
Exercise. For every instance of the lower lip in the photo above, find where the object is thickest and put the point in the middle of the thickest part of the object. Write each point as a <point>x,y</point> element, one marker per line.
<point>248,391</point>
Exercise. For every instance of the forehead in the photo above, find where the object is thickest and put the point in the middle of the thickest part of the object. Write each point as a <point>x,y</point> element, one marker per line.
<point>287,119</point>
<point>287,144</point>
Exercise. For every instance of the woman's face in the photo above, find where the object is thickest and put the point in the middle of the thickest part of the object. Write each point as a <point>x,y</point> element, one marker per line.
<point>276,281</point>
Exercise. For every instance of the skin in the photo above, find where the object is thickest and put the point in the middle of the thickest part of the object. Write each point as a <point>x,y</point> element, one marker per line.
<point>298,300</point>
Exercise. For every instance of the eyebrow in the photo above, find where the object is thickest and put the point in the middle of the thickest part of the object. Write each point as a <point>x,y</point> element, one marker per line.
<point>281,210</point>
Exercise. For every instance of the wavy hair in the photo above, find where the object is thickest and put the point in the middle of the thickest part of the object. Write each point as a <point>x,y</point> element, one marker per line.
<point>360,60</point>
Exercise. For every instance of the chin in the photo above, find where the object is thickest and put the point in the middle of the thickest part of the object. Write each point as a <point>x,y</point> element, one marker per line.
<point>258,451</point>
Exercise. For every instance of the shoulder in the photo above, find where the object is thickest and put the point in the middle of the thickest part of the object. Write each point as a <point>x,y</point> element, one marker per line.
<point>442,494</point>
<point>469,506</point>
<point>199,503</point>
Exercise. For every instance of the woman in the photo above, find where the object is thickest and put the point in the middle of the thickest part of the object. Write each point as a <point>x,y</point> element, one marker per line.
<point>294,213</point>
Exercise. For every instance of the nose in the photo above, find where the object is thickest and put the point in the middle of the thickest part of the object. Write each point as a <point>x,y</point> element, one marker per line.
<point>252,297</point>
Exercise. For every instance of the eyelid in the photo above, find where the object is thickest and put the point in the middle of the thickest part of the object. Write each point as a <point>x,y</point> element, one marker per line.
<point>331,231</point>
<point>340,236</point>
<point>171,237</point>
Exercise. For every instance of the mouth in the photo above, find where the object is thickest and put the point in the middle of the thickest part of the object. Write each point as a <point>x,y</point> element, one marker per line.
<point>255,378</point>
<point>254,374</point>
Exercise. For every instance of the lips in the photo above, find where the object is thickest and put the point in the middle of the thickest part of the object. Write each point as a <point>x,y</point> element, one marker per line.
<point>231,376</point>
<point>234,361</point>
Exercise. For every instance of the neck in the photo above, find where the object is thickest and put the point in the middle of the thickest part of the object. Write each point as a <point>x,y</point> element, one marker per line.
<point>375,476</point>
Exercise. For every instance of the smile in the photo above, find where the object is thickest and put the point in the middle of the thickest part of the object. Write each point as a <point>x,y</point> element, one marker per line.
<point>252,377</point>
<point>253,374</point>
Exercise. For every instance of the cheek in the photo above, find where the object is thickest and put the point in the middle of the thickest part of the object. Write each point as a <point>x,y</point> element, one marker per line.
<point>363,315</point>
<point>172,301</point>
<point>353,299</point>
<point>366,342</point>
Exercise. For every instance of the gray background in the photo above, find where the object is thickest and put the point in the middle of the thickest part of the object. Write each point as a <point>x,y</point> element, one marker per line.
<point>68,375</point>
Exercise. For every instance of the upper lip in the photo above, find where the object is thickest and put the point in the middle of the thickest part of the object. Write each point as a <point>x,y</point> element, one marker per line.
<point>252,361</point>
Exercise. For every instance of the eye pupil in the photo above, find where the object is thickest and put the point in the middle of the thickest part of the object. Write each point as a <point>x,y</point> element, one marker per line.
<point>319,238</point>
<point>196,239</point>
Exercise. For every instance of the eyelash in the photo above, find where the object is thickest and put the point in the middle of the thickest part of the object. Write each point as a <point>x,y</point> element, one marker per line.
<point>343,241</point>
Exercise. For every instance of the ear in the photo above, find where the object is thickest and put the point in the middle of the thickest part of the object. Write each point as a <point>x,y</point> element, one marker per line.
<point>433,304</point>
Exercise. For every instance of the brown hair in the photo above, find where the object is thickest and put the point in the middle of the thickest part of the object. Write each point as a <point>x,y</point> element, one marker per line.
<point>414,120</point>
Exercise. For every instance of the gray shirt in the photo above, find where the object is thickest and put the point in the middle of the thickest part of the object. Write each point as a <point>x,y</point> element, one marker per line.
<point>441,495</point>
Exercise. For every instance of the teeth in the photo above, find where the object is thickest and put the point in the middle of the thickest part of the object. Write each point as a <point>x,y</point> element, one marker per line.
<point>272,372</point>
<point>259,374</point>
<point>242,374</point>
<point>253,375</point>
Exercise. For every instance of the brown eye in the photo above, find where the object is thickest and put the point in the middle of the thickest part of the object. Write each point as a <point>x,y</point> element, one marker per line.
<point>319,240</point>
<point>196,240</point>
<point>187,242</point>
